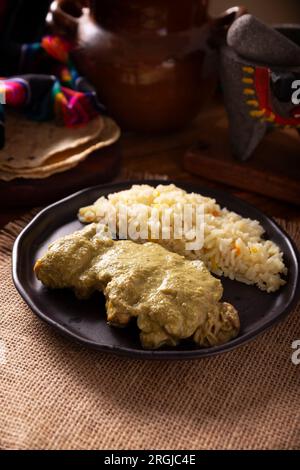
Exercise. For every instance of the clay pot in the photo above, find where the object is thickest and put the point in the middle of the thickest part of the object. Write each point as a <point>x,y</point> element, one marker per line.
<point>151,61</point>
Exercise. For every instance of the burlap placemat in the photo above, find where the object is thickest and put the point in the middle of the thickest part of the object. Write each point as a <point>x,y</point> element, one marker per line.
<point>58,395</point>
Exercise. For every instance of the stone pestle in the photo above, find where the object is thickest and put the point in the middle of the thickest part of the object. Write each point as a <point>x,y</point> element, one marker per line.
<point>254,40</point>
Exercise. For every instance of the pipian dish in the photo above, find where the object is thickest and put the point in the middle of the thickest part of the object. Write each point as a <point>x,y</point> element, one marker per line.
<point>171,302</point>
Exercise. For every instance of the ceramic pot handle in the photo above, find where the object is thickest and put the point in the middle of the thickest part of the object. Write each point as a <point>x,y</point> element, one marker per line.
<point>63,17</point>
<point>222,23</point>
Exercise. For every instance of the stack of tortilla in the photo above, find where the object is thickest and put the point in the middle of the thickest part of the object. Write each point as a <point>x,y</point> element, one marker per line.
<point>38,150</point>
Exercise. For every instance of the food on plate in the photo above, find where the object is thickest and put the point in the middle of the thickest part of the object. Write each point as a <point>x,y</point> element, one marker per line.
<point>233,246</point>
<point>171,297</point>
<point>38,150</point>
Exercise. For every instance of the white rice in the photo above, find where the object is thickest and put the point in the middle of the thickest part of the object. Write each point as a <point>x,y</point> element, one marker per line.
<point>233,246</point>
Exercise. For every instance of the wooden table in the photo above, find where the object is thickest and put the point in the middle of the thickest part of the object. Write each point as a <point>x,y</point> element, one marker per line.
<point>148,156</point>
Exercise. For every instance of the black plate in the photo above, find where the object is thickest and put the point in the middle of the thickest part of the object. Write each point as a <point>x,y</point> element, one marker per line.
<point>85,321</point>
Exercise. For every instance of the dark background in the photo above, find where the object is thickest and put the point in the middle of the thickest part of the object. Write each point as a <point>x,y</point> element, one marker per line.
<point>23,20</point>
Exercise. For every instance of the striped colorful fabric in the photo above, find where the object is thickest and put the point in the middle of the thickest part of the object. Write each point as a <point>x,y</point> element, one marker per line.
<point>49,86</point>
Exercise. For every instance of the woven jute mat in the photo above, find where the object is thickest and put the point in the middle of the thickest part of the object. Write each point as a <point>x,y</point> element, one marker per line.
<point>55,394</point>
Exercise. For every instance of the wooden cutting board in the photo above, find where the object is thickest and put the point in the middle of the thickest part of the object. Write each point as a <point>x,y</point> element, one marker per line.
<point>274,169</point>
<point>100,167</point>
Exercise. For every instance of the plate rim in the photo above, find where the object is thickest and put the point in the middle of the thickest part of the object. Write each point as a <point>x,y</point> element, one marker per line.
<point>143,353</point>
